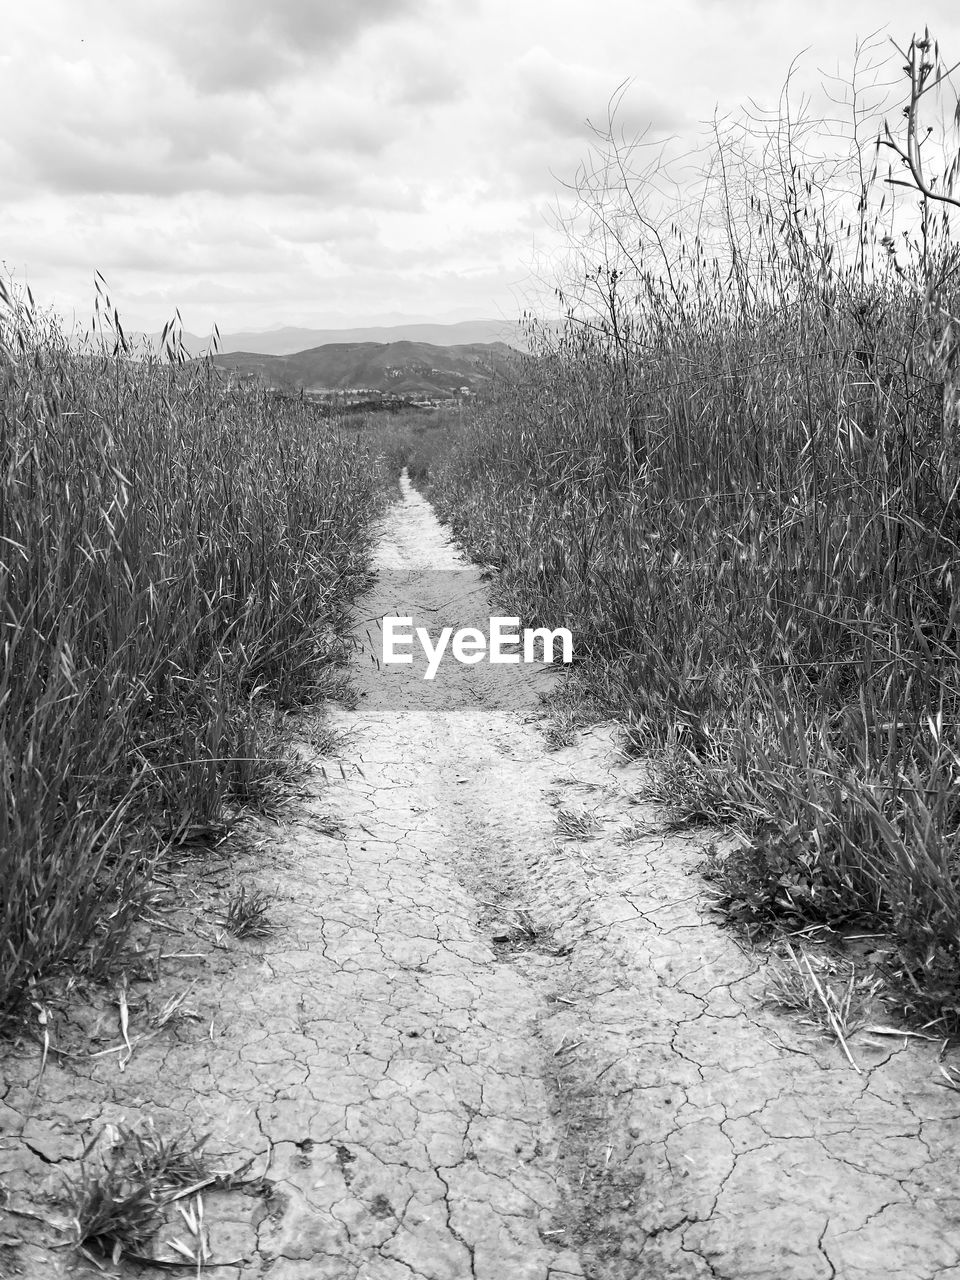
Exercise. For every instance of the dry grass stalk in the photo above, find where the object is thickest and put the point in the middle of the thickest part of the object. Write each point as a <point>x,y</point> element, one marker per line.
<point>832,1012</point>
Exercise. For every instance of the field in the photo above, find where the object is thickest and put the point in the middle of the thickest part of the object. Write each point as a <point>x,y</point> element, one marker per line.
<point>735,474</point>
<point>176,559</point>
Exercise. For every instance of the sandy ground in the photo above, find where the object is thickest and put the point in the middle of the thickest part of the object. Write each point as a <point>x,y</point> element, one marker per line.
<point>496,1033</point>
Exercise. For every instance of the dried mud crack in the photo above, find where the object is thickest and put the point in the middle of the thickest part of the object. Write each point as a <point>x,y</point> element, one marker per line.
<point>488,1039</point>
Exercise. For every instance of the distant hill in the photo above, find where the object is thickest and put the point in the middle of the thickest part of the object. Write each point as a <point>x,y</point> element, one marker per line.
<point>292,341</point>
<point>401,368</point>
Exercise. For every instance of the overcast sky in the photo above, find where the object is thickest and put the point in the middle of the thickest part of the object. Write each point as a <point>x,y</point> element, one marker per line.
<point>336,162</point>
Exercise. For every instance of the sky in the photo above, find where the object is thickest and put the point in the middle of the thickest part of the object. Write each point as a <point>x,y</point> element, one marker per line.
<point>343,162</point>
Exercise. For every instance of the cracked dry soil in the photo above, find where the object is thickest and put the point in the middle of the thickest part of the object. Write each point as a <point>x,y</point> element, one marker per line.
<point>486,1043</point>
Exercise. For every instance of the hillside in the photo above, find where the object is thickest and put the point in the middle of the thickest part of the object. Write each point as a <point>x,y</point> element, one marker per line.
<point>290,340</point>
<point>400,368</point>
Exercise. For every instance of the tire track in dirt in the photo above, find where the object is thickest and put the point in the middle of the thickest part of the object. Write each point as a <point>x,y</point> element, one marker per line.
<point>496,1033</point>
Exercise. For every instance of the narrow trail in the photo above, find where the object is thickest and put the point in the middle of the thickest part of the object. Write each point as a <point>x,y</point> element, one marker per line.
<point>497,1034</point>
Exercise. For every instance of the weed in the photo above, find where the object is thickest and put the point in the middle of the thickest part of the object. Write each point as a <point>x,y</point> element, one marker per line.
<point>560,731</point>
<point>118,1200</point>
<point>246,915</point>
<point>571,707</point>
<point>113,1215</point>
<point>577,824</point>
<point>827,992</point>
<point>523,931</point>
<point>632,831</point>
<point>171,1161</point>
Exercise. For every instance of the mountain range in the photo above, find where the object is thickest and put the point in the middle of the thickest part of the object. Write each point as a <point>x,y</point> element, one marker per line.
<point>290,340</point>
<point>403,368</point>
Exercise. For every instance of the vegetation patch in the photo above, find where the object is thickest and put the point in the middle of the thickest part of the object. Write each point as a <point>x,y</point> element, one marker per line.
<point>128,1180</point>
<point>177,555</point>
<point>247,914</point>
<point>734,474</point>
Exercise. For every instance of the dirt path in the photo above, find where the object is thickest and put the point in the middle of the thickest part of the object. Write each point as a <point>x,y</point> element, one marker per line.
<point>496,1034</point>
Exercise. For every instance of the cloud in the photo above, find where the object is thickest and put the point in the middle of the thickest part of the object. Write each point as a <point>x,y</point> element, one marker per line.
<point>226,46</point>
<point>320,141</point>
<point>226,96</point>
<point>423,71</point>
<point>426,86</point>
<point>553,110</point>
<point>84,164</point>
<point>268,162</point>
<point>565,99</point>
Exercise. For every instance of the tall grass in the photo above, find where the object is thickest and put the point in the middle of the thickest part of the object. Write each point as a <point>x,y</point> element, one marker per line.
<point>736,478</point>
<point>174,557</point>
<point>410,438</point>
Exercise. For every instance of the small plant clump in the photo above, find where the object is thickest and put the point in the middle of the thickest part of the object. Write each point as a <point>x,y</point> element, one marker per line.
<point>120,1196</point>
<point>830,995</point>
<point>115,1216</point>
<point>247,914</point>
<point>577,824</point>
